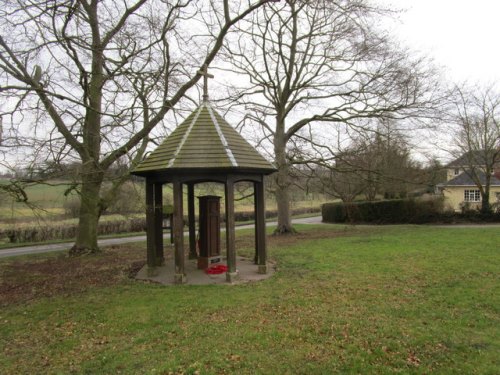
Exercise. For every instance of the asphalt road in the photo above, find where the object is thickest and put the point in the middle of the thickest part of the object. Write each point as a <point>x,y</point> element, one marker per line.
<point>36,249</point>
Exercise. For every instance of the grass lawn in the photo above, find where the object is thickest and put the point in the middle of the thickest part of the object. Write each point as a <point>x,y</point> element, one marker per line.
<point>397,299</point>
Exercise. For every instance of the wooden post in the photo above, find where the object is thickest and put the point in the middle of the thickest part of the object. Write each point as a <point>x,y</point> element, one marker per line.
<point>192,223</point>
<point>260,227</point>
<point>150,230</point>
<point>158,224</point>
<point>178,228</point>
<point>231,274</point>
<point>256,225</point>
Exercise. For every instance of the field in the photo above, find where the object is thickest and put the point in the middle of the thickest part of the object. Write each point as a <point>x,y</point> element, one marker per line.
<point>396,299</point>
<point>49,203</point>
<point>48,200</point>
<point>53,216</point>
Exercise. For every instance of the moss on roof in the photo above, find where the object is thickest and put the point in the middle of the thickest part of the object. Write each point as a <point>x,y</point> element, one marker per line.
<point>203,140</point>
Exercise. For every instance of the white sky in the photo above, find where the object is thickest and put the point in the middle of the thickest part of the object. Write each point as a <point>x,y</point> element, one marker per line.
<point>461,35</point>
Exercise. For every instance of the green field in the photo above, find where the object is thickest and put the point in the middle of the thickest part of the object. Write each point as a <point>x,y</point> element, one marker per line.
<point>52,216</point>
<point>49,200</point>
<point>397,299</point>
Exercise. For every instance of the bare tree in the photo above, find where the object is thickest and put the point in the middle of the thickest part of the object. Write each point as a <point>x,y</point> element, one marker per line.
<point>476,140</point>
<point>315,64</point>
<point>375,164</point>
<point>89,80</point>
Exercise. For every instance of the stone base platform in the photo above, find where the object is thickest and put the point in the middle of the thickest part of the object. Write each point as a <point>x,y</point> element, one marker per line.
<point>247,271</point>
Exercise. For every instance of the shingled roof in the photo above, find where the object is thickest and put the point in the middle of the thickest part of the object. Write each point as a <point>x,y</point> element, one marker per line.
<point>475,157</point>
<point>204,141</point>
<point>465,179</point>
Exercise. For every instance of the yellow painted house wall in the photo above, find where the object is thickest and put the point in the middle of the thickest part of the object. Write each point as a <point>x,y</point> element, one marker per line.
<point>454,196</point>
<point>452,173</point>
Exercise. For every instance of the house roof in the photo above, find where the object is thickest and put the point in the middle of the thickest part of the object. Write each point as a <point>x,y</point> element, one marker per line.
<point>204,141</point>
<point>475,157</point>
<point>465,179</point>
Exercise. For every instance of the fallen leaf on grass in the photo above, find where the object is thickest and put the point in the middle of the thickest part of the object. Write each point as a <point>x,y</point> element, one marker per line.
<point>234,358</point>
<point>413,360</point>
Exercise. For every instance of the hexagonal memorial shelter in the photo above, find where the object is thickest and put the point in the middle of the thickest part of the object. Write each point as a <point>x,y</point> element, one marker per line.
<point>203,148</point>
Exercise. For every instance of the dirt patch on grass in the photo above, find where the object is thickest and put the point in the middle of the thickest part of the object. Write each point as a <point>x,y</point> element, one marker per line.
<point>26,280</point>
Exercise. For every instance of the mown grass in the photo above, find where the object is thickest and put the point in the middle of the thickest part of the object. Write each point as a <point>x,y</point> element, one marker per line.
<point>399,299</point>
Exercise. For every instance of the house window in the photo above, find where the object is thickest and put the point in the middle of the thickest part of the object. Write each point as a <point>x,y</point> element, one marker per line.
<point>456,171</point>
<point>472,196</point>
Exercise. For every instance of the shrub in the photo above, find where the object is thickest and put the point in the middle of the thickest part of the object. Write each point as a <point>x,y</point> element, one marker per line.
<point>384,212</point>
<point>72,207</point>
<point>334,212</point>
<point>127,200</point>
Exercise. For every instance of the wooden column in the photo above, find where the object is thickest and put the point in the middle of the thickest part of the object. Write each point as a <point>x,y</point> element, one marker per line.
<point>150,227</point>
<point>256,226</point>
<point>158,223</point>
<point>178,228</point>
<point>192,223</point>
<point>231,274</point>
<point>260,226</point>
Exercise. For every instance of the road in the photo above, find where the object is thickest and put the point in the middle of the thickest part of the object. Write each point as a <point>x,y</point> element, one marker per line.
<point>36,249</point>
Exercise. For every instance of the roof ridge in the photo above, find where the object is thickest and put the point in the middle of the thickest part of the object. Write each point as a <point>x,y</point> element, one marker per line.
<point>222,138</point>
<point>184,137</point>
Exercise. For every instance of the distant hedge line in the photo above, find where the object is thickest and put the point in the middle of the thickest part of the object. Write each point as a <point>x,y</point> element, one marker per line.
<point>249,215</point>
<point>384,212</point>
<point>68,232</point>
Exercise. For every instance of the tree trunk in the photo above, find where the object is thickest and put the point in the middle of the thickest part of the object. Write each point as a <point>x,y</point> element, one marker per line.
<point>282,187</point>
<point>485,202</point>
<point>90,211</point>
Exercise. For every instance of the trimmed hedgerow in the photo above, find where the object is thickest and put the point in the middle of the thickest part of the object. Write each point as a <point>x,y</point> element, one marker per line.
<point>65,232</point>
<point>384,212</point>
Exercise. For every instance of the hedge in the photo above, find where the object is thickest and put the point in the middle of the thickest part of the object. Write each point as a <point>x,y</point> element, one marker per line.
<point>384,212</point>
<point>66,232</point>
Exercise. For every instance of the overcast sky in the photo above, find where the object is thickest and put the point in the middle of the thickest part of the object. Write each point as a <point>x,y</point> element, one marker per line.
<point>462,35</point>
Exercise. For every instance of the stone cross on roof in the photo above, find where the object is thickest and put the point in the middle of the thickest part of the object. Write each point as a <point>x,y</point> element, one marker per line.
<point>206,76</point>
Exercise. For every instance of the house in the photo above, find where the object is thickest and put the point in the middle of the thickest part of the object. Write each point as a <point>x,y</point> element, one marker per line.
<point>460,191</point>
